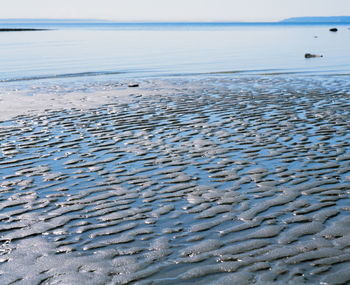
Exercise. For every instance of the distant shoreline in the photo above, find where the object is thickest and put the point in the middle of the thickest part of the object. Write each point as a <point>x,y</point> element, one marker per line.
<point>21,30</point>
<point>304,20</point>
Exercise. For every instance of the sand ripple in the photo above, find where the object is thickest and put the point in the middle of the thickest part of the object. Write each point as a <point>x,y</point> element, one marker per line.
<point>240,181</point>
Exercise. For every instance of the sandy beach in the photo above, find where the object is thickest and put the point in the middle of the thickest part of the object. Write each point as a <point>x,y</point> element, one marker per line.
<point>189,180</point>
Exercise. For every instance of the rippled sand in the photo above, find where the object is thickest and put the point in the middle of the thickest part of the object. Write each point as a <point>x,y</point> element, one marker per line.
<point>237,181</point>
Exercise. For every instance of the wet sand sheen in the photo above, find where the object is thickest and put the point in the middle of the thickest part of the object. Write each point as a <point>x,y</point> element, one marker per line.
<point>218,180</point>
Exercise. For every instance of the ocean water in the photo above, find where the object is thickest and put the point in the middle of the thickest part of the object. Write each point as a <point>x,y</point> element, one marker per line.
<point>134,50</point>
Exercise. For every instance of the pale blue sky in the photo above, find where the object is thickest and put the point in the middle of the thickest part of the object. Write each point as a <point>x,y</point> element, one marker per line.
<point>173,10</point>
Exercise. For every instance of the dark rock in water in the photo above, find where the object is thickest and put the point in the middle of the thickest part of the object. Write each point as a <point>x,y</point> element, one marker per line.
<point>333,30</point>
<point>133,85</point>
<point>310,55</point>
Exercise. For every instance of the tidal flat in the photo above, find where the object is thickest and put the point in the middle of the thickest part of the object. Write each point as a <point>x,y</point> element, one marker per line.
<point>188,180</point>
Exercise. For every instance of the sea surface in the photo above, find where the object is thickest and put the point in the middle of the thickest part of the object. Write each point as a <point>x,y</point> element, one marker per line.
<point>155,49</point>
<point>228,164</point>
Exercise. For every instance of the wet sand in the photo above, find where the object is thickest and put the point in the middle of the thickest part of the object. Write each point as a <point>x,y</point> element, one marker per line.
<point>218,180</point>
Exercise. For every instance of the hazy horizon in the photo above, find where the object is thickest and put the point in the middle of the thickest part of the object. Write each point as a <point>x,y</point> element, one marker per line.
<point>173,11</point>
<point>92,20</point>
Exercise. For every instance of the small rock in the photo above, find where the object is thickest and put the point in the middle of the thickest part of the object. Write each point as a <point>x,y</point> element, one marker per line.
<point>333,30</point>
<point>133,85</point>
<point>310,55</point>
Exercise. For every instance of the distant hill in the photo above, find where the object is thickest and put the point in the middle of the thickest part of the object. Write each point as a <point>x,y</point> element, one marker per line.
<point>337,19</point>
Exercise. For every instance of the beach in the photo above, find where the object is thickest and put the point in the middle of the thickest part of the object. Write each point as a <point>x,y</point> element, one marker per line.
<point>202,179</point>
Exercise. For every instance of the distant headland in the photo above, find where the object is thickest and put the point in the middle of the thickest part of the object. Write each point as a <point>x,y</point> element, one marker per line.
<point>334,19</point>
<point>20,30</point>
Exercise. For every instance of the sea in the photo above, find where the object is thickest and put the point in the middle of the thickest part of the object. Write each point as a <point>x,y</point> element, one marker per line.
<point>105,50</point>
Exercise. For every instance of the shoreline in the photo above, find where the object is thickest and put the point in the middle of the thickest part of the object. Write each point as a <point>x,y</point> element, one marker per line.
<point>37,99</point>
<point>30,102</point>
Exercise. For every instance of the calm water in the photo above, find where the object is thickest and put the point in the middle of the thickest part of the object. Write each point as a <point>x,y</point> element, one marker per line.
<point>112,50</point>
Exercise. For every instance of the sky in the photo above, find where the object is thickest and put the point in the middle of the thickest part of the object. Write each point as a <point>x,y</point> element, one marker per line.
<point>173,10</point>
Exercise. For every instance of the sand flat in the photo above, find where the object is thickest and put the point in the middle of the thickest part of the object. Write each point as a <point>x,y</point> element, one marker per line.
<point>187,180</point>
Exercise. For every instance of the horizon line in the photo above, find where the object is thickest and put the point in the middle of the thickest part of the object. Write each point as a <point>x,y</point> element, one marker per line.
<point>115,21</point>
<point>135,21</point>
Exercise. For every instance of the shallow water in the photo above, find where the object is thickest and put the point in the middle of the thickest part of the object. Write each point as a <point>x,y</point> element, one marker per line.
<point>244,180</point>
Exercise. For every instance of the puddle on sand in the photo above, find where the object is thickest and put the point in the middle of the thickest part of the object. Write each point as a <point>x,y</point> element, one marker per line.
<point>231,185</point>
